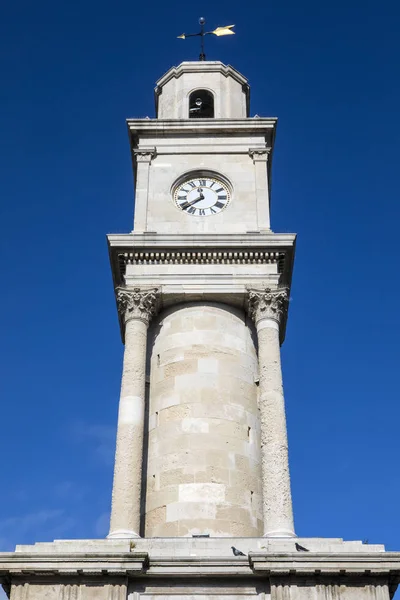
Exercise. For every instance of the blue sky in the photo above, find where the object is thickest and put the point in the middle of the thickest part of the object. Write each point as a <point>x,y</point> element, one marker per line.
<point>71,74</point>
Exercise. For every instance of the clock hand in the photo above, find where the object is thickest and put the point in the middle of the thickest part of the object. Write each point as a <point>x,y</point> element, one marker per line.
<point>187,204</point>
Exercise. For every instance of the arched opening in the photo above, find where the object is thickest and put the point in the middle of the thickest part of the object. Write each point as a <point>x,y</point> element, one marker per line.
<point>201,105</point>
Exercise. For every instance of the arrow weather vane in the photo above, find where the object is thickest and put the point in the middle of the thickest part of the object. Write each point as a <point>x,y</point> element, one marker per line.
<point>227,30</point>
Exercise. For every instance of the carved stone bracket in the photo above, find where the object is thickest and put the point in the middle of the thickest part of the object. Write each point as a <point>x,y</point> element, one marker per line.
<point>259,154</point>
<point>137,303</point>
<point>268,304</point>
<point>145,155</point>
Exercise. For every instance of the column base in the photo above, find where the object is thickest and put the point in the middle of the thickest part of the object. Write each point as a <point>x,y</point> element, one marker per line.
<point>280,533</point>
<point>122,534</point>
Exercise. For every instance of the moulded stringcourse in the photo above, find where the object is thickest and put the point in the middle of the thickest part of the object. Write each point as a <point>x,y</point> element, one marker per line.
<point>202,258</point>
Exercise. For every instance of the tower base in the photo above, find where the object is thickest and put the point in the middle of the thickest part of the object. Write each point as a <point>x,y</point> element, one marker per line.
<point>200,569</point>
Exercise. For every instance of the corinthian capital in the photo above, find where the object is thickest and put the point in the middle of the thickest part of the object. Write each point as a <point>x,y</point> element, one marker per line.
<point>268,304</point>
<point>137,303</point>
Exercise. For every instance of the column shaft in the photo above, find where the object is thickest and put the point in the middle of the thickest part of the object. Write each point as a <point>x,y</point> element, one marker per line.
<point>125,512</point>
<point>136,307</point>
<point>268,309</point>
<point>277,499</point>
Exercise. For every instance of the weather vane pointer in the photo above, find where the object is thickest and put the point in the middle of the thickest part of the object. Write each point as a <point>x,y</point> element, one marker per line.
<point>226,30</point>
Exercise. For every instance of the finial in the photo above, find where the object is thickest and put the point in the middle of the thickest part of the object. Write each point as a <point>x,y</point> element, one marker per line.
<point>226,30</point>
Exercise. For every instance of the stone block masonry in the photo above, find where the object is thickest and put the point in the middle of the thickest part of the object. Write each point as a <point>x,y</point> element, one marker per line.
<point>203,473</point>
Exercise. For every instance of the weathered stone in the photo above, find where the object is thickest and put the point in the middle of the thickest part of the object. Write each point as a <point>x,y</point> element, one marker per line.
<point>204,425</point>
<point>137,307</point>
<point>267,308</point>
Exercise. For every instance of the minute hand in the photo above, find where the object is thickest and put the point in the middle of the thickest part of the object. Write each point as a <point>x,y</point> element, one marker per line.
<point>183,206</point>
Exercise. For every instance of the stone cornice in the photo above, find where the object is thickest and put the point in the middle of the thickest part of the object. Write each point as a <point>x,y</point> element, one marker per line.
<point>142,565</point>
<point>250,239</point>
<point>200,67</point>
<point>156,127</point>
<point>78,563</point>
<point>137,303</point>
<point>325,563</point>
<point>215,249</point>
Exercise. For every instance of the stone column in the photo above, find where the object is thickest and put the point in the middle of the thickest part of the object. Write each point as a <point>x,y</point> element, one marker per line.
<point>136,307</point>
<point>268,308</point>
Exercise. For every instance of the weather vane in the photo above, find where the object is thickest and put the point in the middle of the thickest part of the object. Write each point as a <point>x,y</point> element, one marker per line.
<point>227,30</point>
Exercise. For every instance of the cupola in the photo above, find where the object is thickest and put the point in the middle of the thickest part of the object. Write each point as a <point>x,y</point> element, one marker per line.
<point>203,89</point>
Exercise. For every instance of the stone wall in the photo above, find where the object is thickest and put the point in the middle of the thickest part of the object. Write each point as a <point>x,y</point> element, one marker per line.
<point>221,155</point>
<point>277,588</point>
<point>203,473</point>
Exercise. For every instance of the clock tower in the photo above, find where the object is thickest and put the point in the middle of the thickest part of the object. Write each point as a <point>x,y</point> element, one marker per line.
<point>203,139</point>
<point>201,500</point>
<point>202,287</point>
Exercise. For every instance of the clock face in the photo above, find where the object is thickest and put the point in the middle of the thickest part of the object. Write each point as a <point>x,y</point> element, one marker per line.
<point>202,197</point>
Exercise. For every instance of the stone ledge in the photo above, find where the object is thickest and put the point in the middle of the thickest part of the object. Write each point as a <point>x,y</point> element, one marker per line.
<point>152,238</point>
<point>190,566</point>
<point>325,563</point>
<point>207,547</point>
<point>142,565</point>
<point>78,563</point>
<point>160,127</point>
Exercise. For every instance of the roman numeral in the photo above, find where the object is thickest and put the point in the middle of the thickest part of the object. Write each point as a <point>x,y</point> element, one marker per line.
<point>202,212</point>
<point>213,183</point>
<point>192,185</point>
<point>192,210</point>
<point>219,204</point>
<point>219,190</point>
<point>222,197</point>
<point>202,182</point>
<point>213,210</point>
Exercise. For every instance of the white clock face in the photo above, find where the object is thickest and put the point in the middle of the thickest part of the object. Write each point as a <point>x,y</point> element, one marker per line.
<point>202,197</point>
